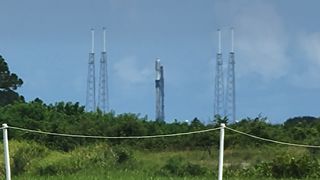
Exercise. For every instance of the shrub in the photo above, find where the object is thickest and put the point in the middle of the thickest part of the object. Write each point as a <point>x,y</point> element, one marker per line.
<point>122,154</point>
<point>195,169</point>
<point>179,167</point>
<point>287,166</point>
<point>24,154</point>
<point>79,159</point>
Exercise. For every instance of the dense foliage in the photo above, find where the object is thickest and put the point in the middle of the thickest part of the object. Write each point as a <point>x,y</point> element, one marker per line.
<point>71,118</point>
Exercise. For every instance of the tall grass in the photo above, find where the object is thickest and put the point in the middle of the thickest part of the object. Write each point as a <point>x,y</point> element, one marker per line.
<point>30,160</point>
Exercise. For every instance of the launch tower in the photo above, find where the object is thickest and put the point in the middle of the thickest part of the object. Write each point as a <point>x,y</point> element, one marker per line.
<point>91,88</point>
<point>230,106</point>
<point>103,94</point>
<point>219,84</point>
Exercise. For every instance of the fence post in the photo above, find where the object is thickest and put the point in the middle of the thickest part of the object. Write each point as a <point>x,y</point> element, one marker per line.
<point>6,151</point>
<point>221,151</point>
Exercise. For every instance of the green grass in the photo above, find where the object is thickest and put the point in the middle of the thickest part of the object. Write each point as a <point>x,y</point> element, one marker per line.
<point>103,174</point>
<point>99,161</point>
<point>98,173</point>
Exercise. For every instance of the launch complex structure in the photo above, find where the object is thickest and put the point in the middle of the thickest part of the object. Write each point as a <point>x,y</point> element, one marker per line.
<point>224,91</point>
<point>225,96</point>
<point>103,94</point>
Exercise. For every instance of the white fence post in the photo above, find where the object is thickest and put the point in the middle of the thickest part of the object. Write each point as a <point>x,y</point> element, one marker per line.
<point>221,151</point>
<point>6,151</point>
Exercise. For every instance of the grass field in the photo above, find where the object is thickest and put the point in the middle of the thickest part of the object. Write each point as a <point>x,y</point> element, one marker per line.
<point>100,161</point>
<point>102,174</point>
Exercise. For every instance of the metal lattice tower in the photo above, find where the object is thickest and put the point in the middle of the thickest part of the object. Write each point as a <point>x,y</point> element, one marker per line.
<point>230,101</point>
<point>91,87</point>
<point>103,94</point>
<point>219,84</point>
<point>159,82</point>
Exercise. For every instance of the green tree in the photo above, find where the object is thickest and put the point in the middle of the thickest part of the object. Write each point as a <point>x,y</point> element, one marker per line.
<point>220,119</point>
<point>9,82</point>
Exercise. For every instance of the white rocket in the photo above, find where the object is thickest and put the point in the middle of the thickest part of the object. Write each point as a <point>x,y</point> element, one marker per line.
<point>159,83</point>
<point>158,69</point>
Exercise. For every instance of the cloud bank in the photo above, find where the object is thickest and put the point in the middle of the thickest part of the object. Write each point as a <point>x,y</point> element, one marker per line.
<point>260,40</point>
<point>129,71</point>
<point>309,76</point>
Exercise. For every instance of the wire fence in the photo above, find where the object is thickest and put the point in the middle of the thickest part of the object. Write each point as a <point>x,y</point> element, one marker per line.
<point>273,141</point>
<point>113,137</point>
<point>4,128</point>
<point>160,135</point>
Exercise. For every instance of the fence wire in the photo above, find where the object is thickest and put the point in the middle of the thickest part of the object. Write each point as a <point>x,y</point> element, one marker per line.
<point>113,137</point>
<point>273,141</point>
<point>159,135</point>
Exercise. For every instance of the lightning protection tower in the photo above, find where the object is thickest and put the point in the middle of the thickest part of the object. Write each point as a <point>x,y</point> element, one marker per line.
<point>159,82</point>
<point>91,89</point>
<point>219,85</point>
<point>230,106</point>
<point>103,94</point>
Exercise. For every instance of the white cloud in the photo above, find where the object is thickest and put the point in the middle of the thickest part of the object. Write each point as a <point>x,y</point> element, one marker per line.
<point>260,39</point>
<point>129,71</point>
<point>309,43</point>
<point>308,79</point>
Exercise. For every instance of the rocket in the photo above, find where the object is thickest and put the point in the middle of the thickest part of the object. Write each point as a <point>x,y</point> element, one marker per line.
<point>159,83</point>
<point>158,69</point>
<point>159,72</point>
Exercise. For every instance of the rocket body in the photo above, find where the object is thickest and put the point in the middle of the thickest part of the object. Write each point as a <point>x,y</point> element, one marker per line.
<point>159,85</point>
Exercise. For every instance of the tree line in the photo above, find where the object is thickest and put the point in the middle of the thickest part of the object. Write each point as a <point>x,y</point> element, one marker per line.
<point>71,118</point>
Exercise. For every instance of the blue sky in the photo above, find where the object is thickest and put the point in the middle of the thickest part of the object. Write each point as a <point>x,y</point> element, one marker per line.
<point>277,50</point>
